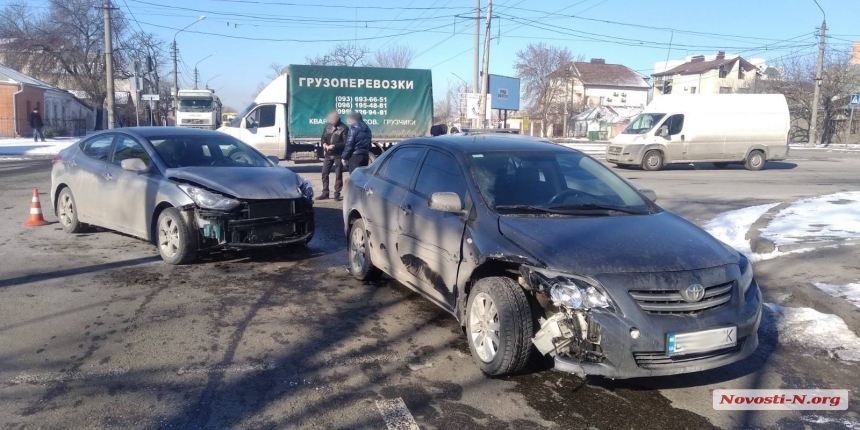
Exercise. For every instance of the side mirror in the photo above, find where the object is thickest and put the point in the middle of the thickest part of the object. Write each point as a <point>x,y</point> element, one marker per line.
<point>650,194</point>
<point>250,123</point>
<point>274,159</point>
<point>663,132</point>
<point>446,202</point>
<point>134,165</point>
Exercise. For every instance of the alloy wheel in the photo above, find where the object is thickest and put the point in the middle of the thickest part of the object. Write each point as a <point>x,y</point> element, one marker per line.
<point>168,237</point>
<point>357,250</point>
<point>484,327</point>
<point>67,210</point>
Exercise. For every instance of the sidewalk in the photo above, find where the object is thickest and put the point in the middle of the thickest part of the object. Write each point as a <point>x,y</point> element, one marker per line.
<point>20,147</point>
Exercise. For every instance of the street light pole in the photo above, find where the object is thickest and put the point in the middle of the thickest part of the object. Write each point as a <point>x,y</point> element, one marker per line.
<point>109,88</point>
<point>175,70</point>
<point>486,78</point>
<point>813,126</point>
<point>196,74</point>
<point>210,79</point>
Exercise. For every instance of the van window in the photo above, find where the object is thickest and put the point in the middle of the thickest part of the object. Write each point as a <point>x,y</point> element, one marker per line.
<point>265,116</point>
<point>675,123</point>
<point>643,123</point>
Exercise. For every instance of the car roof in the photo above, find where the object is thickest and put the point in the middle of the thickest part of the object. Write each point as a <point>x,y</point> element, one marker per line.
<point>488,142</point>
<point>148,132</point>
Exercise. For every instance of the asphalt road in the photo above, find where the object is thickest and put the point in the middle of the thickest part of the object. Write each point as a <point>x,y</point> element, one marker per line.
<point>96,332</point>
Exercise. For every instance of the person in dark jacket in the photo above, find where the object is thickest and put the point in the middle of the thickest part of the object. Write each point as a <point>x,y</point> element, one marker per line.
<point>333,141</point>
<point>36,124</point>
<point>357,151</point>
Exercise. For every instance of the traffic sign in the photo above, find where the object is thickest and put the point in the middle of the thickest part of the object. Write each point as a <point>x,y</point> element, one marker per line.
<point>855,100</point>
<point>155,97</point>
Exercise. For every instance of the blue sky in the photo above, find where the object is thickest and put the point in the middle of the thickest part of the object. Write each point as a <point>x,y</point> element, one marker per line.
<point>760,28</point>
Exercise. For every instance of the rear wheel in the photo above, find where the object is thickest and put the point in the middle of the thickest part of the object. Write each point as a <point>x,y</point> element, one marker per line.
<point>67,212</point>
<point>175,240</point>
<point>499,326</point>
<point>360,265</point>
<point>653,160</point>
<point>755,160</point>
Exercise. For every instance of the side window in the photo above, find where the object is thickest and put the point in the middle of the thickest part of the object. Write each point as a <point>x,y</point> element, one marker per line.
<point>402,165</point>
<point>98,147</point>
<point>126,148</point>
<point>265,116</point>
<point>675,123</point>
<point>441,173</point>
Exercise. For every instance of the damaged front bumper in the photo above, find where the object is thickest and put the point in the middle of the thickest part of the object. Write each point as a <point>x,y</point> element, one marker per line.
<point>254,224</point>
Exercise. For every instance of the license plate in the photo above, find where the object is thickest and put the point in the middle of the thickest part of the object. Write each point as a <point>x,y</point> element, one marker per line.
<point>702,341</point>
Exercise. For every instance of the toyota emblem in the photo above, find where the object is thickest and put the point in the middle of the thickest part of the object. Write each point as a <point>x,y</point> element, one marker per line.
<point>693,293</point>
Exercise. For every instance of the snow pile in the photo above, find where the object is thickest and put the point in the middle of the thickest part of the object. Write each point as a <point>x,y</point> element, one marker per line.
<point>809,328</point>
<point>25,146</point>
<point>731,227</point>
<point>843,422</point>
<point>817,219</point>
<point>850,292</point>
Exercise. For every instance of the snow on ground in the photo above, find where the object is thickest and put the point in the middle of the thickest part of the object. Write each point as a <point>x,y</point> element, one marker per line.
<point>731,227</point>
<point>843,422</point>
<point>817,219</point>
<point>849,292</point>
<point>27,147</point>
<point>809,328</point>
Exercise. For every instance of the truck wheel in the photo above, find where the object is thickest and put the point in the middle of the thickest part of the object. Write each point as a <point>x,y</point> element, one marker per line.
<point>360,265</point>
<point>174,238</point>
<point>755,160</point>
<point>499,326</point>
<point>652,161</point>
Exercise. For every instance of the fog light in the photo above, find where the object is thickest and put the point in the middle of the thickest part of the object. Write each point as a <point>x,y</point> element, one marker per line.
<point>634,333</point>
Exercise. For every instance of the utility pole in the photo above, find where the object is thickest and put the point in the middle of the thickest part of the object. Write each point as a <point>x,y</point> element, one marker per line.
<point>196,77</point>
<point>477,44</point>
<point>486,78</point>
<point>175,81</point>
<point>817,87</point>
<point>106,8</point>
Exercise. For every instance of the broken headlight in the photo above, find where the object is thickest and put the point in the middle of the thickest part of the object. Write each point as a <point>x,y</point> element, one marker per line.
<point>746,275</point>
<point>572,291</point>
<point>207,199</point>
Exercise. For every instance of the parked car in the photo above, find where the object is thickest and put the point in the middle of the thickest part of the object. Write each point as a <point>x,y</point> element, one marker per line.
<point>748,129</point>
<point>184,189</point>
<point>533,245</point>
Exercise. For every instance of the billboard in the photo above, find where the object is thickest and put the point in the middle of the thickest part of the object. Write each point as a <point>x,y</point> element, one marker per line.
<point>504,92</point>
<point>471,102</point>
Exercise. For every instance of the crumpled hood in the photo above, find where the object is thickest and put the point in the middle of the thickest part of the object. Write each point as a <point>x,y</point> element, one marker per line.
<point>252,183</point>
<point>617,244</point>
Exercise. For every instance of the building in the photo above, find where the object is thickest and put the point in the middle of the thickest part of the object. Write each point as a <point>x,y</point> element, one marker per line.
<point>855,53</point>
<point>721,75</point>
<point>62,113</point>
<point>596,83</point>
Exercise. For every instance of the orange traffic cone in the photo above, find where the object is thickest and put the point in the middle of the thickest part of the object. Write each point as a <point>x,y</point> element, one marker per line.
<point>36,219</point>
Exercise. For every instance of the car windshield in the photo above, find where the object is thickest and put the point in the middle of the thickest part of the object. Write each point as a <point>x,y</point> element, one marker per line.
<point>237,120</point>
<point>643,123</point>
<point>556,182</point>
<point>195,105</point>
<point>206,150</point>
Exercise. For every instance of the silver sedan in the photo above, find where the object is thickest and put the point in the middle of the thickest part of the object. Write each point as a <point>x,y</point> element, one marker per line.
<point>186,190</point>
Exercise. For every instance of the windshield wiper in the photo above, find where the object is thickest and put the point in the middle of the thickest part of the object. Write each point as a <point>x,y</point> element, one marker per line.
<point>527,208</point>
<point>595,206</point>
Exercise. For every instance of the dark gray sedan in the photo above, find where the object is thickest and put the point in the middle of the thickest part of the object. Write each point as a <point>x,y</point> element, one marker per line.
<point>186,190</point>
<point>533,246</point>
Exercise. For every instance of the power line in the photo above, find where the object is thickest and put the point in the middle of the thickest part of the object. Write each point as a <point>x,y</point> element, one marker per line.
<point>341,6</point>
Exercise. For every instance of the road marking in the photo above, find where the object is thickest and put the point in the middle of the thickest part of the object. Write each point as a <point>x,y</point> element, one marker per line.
<point>396,415</point>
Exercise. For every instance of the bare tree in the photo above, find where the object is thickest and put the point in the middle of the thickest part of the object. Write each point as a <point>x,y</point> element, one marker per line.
<point>343,54</point>
<point>795,81</point>
<point>275,70</point>
<point>447,110</point>
<point>395,56</point>
<point>535,66</point>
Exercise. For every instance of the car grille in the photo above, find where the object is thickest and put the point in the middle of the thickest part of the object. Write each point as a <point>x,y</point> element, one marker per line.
<point>196,121</point>
<point>271,208</point>
<point>669,302</point>
<point>614,150</point>
<point>656,360</point>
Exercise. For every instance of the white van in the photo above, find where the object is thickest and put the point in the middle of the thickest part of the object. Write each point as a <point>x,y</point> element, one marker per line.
<point>718,128</point>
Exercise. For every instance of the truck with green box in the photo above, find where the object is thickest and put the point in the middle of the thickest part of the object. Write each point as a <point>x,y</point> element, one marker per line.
<point>288,116</point>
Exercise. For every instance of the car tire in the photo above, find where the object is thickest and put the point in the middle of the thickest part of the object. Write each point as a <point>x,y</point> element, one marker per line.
<point>721,165</point>
<point>652,161</point>
<point>67,212</point>
<point>175,240</point>
<point>498,311</point>
<point>755,160</point>
<point>360,264</point>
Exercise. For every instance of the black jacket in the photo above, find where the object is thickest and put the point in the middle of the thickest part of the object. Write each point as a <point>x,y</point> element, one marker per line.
<point>335,134</point>
<point>358,141</point>
<point>35,120</point>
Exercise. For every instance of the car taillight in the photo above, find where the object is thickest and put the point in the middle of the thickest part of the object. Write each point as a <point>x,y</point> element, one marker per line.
<point>56,159</point>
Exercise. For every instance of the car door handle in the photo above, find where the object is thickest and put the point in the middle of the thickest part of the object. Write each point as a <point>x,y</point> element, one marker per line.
<point>682,138</point>
<point>107,176</point>
<point>407,210</point>
<point>269,135</point>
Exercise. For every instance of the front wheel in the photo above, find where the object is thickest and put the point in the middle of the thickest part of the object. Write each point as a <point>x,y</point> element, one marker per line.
<point>755,160</point>
<point>652,161</point>
<point>175,240</point>
<point>360,265</point>
<point>499,326</point>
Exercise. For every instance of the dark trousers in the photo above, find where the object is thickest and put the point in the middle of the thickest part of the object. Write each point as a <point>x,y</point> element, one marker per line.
<point>357,161</point>
<point>332,161</point>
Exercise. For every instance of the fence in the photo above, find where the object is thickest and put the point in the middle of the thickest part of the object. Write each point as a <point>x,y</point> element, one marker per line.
<point>53,127</point>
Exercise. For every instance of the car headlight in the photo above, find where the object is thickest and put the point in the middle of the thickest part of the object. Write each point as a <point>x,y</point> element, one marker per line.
<point>572,291</point>
<point>209,200</point>
<point>746,275</point>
